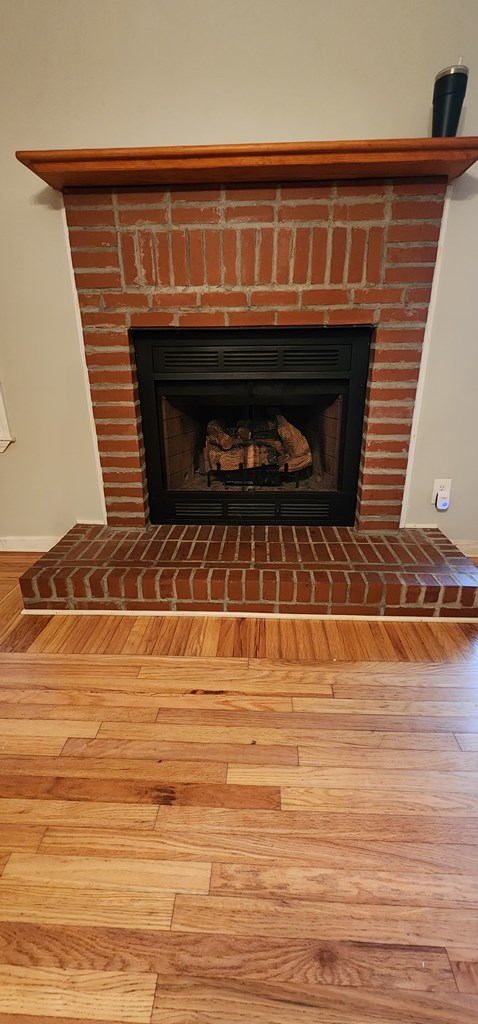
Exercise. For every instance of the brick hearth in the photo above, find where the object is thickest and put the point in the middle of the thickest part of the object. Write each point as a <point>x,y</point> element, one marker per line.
<point>333,254</point>
<point>292,570</point>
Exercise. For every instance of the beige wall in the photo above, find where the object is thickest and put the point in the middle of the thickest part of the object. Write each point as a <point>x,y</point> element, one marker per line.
<point>79,73</point>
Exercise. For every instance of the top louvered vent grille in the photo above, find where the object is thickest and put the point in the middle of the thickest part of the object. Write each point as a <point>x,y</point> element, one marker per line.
<point>313,358</point>
<point>187,360</point>
<point>250,361</point>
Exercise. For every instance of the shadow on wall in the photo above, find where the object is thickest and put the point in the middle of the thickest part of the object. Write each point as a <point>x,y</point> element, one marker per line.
<point>48,197</point>
<point>465,187</point>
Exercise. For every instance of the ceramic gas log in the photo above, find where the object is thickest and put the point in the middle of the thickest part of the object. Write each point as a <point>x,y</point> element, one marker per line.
<point>270,442</point>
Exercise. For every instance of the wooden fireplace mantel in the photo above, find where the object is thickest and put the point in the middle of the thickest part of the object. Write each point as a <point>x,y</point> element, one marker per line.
<point>293,161</point>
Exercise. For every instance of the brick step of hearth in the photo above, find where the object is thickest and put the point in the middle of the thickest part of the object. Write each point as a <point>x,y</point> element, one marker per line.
<point>412,572</point>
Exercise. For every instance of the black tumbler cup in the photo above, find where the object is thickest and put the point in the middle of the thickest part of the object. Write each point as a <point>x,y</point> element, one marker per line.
<point>448,96</point>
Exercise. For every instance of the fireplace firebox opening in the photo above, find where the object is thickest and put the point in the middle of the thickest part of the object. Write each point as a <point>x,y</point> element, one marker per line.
<point>259,425</point>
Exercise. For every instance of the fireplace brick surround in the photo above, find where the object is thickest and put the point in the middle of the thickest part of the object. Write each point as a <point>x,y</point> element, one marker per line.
<point>331,254</point>
<point>281,253</point>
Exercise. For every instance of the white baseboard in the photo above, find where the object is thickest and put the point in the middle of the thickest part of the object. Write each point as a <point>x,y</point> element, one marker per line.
<point>112,613</point>
<point>421,526</point>
<point>469,547</point>
<point>28,543</point>
<point>34,543</point>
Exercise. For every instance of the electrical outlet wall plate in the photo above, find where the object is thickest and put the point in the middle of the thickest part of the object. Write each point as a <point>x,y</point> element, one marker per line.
<point>438,487</point>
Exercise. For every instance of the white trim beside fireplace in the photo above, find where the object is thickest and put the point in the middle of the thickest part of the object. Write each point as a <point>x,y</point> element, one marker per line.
<point>79,334</point>
<point>424,362</point>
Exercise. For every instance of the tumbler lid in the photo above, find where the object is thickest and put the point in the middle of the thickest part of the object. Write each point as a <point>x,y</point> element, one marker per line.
<point>455,69</point>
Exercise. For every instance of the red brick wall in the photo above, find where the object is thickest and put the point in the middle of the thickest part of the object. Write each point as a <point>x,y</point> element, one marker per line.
<point>338,254</point>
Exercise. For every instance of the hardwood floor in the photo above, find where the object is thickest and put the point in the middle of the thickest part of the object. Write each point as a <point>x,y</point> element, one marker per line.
<point>236,821</point>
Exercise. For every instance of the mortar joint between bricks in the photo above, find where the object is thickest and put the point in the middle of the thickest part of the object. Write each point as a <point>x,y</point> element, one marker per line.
<point>347,586</point>
<point>88,574</point>
<point>330,585</point>
<point>222,545</point>
<point>261,589</point>
<point>140,584</point>
<point>225,599</point>
<point>328,244</point>
<point>208,585</point>
<point>122,583</point>
<point>174,599</point>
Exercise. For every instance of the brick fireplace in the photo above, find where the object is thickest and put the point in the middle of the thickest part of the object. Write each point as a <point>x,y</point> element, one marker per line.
<point>254,239</point>
<point>287,255</point>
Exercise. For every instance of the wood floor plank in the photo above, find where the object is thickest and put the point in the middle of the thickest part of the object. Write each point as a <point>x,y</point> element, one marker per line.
<point>386,827</point>
<point>23,633</point>
<point>38,746</point>
<point>135,642</point>
<point>248,847</point>
<point>17,561</point>
<point>50,903</point>
<point>436,673</point>
<point>166,772</point>
<point>10,612</point>
<point>86,665</point>
<point>467,742</point>
<point>376,779</point>
<point>411,691</point>
<point>366,706</point>
<point>464,964</point>
<point>187,1000</point>
<point>38,728</point>
<point>223,702</point>
<point>210,641</point>
<point>97,995</point>
<point>121,873</point>
<point>233,638</point>
<point>72,812</point>
<point>197,751</point>
<point>298,961</point>
<point>383,758</point>
<point>330,885</point>
<point>365,922</point>
<point>81,714</point>
<point>135,791</point>
<point>20,837</point>
<point>359,801</point>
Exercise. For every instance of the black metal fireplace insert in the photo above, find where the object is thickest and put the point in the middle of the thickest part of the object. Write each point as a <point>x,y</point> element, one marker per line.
<point>253,425</point>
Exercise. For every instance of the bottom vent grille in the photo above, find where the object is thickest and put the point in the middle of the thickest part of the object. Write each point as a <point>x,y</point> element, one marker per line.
<point>261,511</point>
<point>303,513</point>
<point>194,510</point>
<point>251,513</point>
